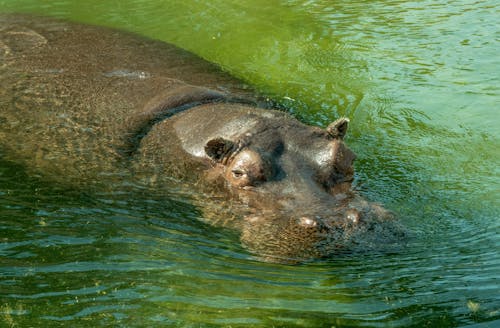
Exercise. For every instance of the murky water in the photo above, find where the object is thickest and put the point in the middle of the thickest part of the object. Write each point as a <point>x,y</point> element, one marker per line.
<point>419,80</point>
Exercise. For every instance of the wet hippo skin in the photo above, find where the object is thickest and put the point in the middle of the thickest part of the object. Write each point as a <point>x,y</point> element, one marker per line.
<point>83,105</point>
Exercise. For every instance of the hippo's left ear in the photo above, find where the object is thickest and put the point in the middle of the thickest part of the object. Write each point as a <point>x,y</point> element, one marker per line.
<point>219,149</point>
<point>338,129</point>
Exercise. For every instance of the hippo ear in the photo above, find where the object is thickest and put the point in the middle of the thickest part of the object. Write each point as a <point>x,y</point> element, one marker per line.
<point>338,129</point>
<point>219,149</point>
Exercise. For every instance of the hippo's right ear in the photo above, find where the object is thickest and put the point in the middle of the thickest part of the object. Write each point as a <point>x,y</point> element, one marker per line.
<point>219,149</point>
<point>338,129</point>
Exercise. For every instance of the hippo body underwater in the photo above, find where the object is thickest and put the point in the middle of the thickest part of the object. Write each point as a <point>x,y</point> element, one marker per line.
<point>85,105</point>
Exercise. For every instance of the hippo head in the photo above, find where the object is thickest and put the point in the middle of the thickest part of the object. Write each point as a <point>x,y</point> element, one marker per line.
<point>288,183</point>
<point>292,181</point>
<point>247,164</point>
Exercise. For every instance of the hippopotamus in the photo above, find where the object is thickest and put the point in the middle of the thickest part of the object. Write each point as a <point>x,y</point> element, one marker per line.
<point>90,106</point>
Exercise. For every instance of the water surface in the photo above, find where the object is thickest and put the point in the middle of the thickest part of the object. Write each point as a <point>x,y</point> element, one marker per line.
<point>420,82</point>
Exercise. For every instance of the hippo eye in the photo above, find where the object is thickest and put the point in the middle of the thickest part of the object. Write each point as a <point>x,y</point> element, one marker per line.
<point>237,173</point>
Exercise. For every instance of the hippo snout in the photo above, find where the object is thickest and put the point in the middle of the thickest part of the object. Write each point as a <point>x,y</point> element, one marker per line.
<point>295,238</point>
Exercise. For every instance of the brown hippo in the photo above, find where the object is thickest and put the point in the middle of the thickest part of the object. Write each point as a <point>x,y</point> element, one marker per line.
<point>89,106</point>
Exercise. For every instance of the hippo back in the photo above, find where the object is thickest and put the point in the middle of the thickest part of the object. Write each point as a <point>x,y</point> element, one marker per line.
<point>68,91</point>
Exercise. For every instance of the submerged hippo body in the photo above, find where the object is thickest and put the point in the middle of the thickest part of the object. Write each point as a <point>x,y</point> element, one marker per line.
<point>85,105</point>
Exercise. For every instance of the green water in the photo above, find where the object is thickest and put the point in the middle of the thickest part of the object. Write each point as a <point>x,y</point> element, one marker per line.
<point>420,81</point>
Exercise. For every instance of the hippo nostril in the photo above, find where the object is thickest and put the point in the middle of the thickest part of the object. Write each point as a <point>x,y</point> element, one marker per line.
<point>307,222</point>
<point>353,215</point>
